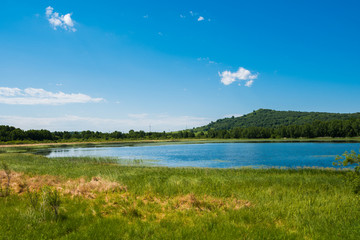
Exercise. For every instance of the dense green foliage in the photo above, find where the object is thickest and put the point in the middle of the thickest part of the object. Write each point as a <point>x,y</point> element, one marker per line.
<point>12,134</point>
<point>333,128</point>
<point>284,204</point>
<point>271,119</point>
<point>262,124</point>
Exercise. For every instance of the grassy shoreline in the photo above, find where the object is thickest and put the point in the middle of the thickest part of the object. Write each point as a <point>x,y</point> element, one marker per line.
<point>190,140</point>
<point>178,203</point>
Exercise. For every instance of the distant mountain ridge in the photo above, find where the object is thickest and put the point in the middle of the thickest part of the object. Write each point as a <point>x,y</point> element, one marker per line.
<point>273,118</point>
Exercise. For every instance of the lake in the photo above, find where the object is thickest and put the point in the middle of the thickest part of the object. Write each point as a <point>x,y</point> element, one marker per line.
<point>218,155</point>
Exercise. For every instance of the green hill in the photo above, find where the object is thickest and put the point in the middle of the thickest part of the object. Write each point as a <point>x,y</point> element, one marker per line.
<point>272,118</point>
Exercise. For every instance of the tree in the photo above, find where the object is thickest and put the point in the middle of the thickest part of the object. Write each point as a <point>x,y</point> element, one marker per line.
<point>351,159</point>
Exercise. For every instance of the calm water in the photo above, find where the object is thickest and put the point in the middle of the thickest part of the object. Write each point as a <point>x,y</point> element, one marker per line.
<point>221,155</point>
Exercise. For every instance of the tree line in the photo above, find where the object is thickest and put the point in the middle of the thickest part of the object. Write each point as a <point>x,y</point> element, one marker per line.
<point>334,128</point>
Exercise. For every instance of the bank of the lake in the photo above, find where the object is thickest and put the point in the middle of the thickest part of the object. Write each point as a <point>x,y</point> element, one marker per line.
<point>193,140</point>
<point>136,202</point>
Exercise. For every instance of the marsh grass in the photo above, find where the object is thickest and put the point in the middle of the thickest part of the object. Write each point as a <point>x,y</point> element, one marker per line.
<point>184,203</point>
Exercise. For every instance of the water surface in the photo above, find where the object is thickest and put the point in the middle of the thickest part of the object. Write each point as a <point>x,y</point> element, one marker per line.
<point>220,155</point>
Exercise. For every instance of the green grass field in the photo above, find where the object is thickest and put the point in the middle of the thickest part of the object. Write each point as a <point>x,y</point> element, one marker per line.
<point>131,201</point>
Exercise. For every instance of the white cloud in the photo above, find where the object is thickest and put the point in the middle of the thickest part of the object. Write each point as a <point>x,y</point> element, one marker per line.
<point>59,21</point>
<point>182,16</point>
<point>201,18</point>
<point>146,16</point>
<point>242,74</point>
<point>38,96</point>
<point>67,20</point>
<point>78,123</point>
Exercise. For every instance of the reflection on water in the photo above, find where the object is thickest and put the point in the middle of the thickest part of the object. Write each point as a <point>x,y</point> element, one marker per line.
<point>220,155</point>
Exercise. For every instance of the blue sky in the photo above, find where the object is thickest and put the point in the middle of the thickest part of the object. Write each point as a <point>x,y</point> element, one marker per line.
<point>121,65</point>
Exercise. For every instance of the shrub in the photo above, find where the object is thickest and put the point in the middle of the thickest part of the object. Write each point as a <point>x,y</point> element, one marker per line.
<point>53,198</point>
<point>34,198</point>
<point>51,201</point>
<point>352,159</point>
<point>45,204</point>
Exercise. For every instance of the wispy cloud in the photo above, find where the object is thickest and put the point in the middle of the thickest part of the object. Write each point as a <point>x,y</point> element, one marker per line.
<point>138,115</point>
<point>249,83</point>
<point>195,15</point>
<point>38,96</point>
<point>78,123</point>
<point>206,59</point>
<point>242,74</point>
<point>59,21</point>
<point>9,92</point>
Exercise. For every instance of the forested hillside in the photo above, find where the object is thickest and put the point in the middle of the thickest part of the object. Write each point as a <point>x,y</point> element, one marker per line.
<point>262,123</point>
<point>270,118</point>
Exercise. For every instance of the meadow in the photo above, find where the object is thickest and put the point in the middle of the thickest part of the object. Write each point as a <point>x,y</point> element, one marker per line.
<point>99,198</point>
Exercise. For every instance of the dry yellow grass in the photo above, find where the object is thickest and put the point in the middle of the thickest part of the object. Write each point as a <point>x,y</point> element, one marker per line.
<point>20,183</point>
